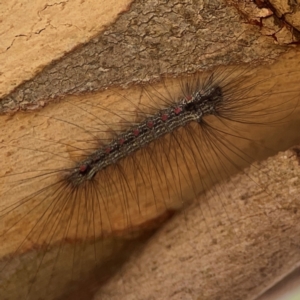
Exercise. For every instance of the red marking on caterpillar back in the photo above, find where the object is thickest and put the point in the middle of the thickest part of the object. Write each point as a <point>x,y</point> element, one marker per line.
<point>150,124</point>
<point>177,110</point>
<point>136,132</point>
<point>82,168</point>
<point>164,117</point>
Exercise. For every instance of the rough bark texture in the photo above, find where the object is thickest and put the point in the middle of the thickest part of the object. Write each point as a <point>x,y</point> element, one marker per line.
<point>33,34</point>
<point>231,253</point>
<point>154,37</point>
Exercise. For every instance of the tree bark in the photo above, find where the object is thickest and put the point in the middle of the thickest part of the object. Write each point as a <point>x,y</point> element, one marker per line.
<point>206,255</point>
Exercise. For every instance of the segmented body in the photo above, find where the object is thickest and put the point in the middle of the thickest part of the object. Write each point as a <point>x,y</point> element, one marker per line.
<point>191,108</point>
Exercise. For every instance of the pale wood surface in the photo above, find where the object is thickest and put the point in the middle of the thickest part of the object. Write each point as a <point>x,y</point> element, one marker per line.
<point>35,33</point>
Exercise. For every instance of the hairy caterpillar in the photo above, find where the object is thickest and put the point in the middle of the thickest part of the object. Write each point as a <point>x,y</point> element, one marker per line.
<point>164,146</point>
